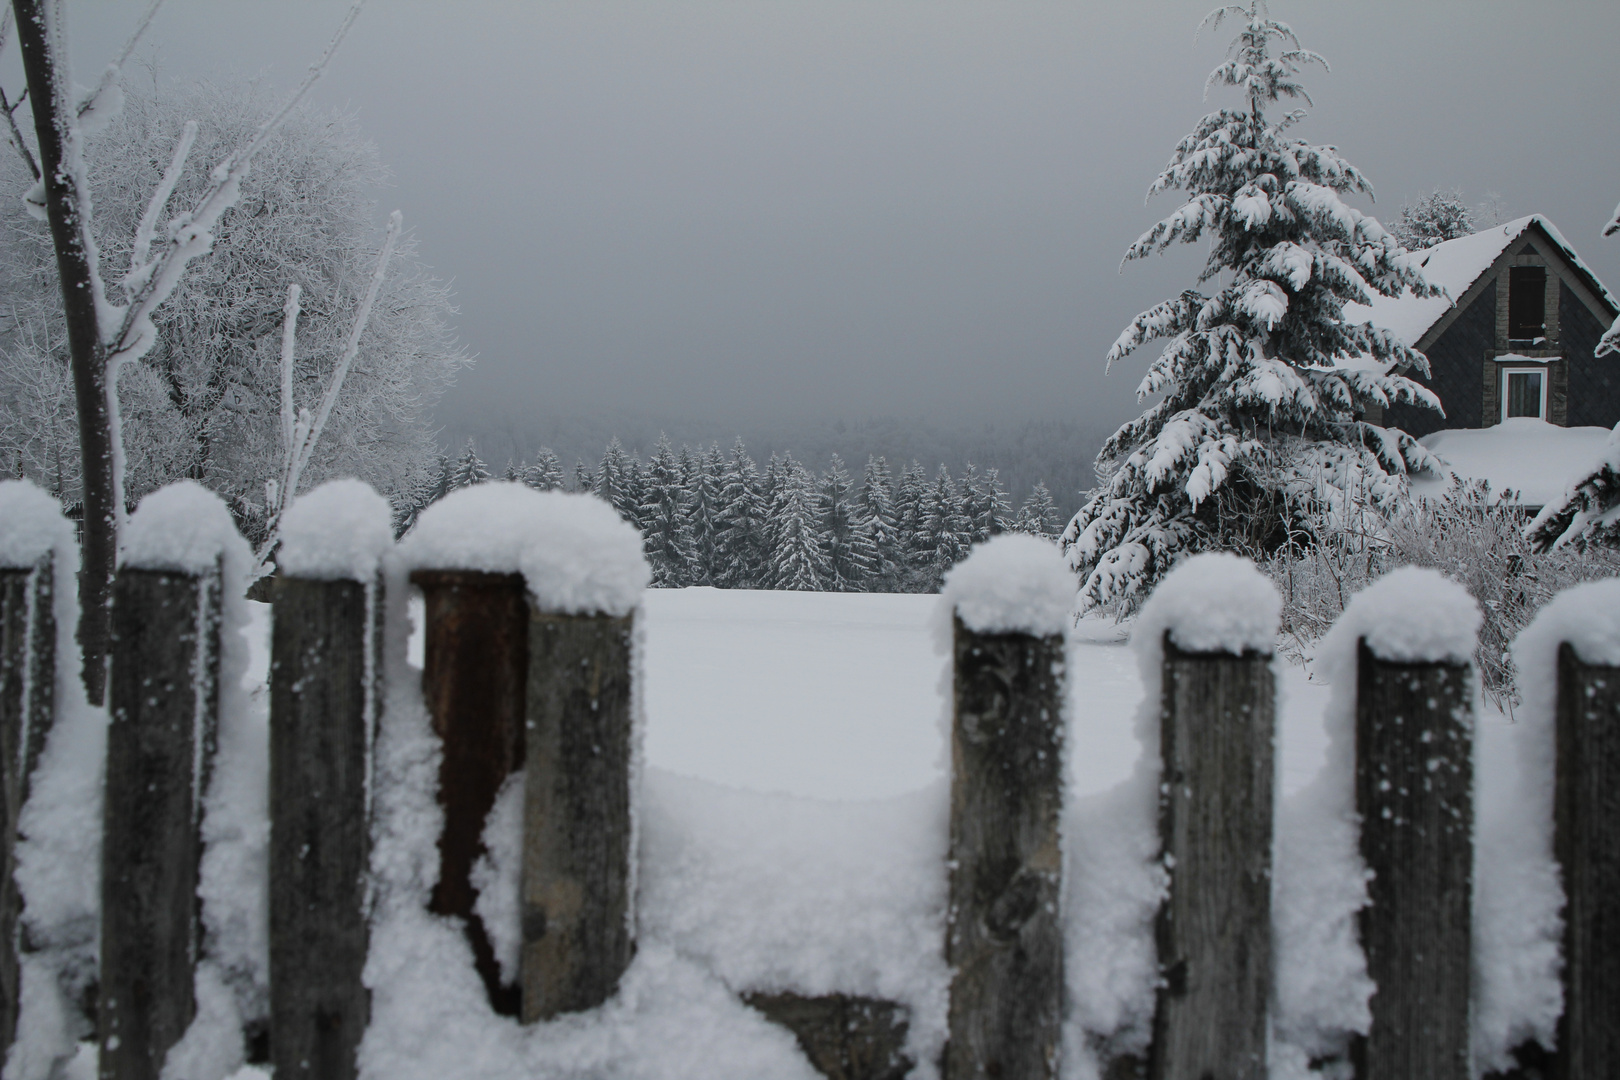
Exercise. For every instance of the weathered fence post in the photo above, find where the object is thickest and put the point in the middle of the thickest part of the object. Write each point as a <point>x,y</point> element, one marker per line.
<point>475,669</point>
<point>1414,794</point>
<point>163,697</point>
<point>324,675</point>
<point>1004,936</point>
<point>1217,733</point>
<point>577,932</point>
<point>27,707</point>
<point>1586,816</point>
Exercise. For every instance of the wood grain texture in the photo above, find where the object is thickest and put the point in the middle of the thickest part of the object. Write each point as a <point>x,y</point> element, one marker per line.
<point>1414,792</point>
<point>475,667</point>
<point>577,926</point>
<point>163,698</point>
<point>1217,738</point>
<point>324,664</point>
<point>27,709</point>
<point>1586,813</point>
<point>1004,939</point>
<point>846,1037</point>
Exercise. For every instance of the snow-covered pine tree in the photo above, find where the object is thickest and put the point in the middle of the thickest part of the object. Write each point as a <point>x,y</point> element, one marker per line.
<point>848,548</point>
<point>875,520</point>
<point>1267,388</point>
<point>944,532</point>
<point>1437,217</point>
<point>546,473</point>
<point>988,504</point>
<point>798,559</point>
<point>1038,516</point>
<point>618,481</point>
<point>512,473</point>
<point>470,469</point>
<point>908,519</point>
<point>743,547</point>
<point>665,525</point>
<point>704,483</point>
<point>584,479</point>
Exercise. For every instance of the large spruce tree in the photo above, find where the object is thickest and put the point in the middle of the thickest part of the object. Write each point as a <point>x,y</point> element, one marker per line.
<point>1270,394</point>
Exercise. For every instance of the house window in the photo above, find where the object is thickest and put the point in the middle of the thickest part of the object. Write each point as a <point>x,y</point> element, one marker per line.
<point>1527,304</point>
<point>1524,393</point>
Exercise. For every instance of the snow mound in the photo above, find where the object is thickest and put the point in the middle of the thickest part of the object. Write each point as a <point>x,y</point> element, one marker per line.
<point>1522,454</point>
<point>1215,602</point>
<point>182,526</point>
<point>574,552</point>
<point>339,530</point>
<point>31,524</point>
<point>1012,583</point>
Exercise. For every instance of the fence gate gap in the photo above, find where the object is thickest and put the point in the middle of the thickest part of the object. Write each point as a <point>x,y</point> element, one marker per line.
<point>475,667</point>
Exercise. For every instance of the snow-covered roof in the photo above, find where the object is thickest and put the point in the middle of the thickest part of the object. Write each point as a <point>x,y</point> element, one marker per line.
<point>1455,265</point>
<point>1530,456</point>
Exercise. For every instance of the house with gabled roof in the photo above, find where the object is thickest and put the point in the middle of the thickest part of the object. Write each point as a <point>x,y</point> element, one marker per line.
<point>1510,348</point>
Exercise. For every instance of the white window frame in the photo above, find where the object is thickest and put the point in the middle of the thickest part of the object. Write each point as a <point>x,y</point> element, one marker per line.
<point>1545,371</point>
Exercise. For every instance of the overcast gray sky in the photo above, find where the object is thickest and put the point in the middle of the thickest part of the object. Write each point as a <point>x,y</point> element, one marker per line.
<point>762,210</point>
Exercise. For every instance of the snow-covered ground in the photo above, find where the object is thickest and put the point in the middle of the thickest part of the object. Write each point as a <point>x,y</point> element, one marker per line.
<point>841,695</point>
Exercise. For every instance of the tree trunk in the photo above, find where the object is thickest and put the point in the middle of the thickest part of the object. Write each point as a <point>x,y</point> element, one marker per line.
<point>46,83</point>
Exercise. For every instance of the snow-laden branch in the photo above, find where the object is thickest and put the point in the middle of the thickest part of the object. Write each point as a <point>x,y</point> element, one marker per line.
<point>301,434</point>
<point>141,249</point>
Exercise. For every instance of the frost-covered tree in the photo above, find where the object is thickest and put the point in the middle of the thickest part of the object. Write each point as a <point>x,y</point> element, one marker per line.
<point>944,531</point>
<point>470,469</point>
<point>584,479</point>
<point>705,483</point>
<point>1038,515</point>
<point>110,323</point>
<point>618,481</point>
<point>1437,217</point>
<point>742,540</point>
<point>546,473</point>
<point>875,505</point>
<point>848,548</point>
<point>798,548</point>
<point>989,507</point>
<point>1267,387</point>
<point>665,525</point>
<point>908,516</point>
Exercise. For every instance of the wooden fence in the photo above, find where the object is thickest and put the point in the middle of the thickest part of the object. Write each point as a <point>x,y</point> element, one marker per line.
<point>509,686</point>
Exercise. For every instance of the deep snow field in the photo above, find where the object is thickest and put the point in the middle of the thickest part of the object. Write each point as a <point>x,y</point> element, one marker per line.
<point>841,695</point>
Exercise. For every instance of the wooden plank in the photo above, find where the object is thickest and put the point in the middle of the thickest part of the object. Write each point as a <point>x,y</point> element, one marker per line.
<point>1586,823</point>
<point>1414,792</point>
<point>846,1037</point>
<point>1004,940</point>
<point>163,696</point>
<point>475,667</point>
<point>27,709</point>
<point>325,663</point>
<point>577,926</point>
<point>1217,736</point>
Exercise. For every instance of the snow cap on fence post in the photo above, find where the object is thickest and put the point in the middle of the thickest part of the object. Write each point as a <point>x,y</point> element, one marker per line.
<point>1215,602</point>
<point>1012,583</point>
<point>340,530</point>
<point>184,527</point>
<point>575,553</point>
<point>31,524</point>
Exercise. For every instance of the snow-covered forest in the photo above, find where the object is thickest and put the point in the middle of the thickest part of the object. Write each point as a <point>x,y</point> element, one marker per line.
<point>713,518</point>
